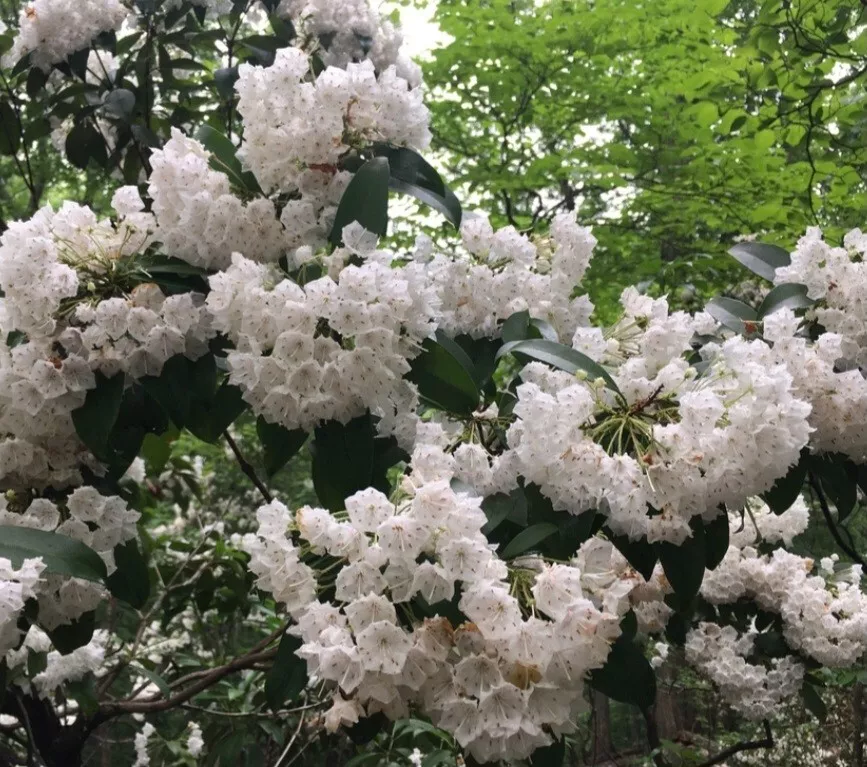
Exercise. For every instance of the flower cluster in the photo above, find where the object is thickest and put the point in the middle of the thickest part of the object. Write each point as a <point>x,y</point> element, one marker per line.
<point>198,217</point>
<point>328,349</point>
<point>823,618</point>
<point>51,30</point>
<point>349,31</point>
<point>292,124</point>
<point>508,273</point>
<point>101,522</point>
<point>754,691</point>
<point>77,300</point>
<point>672,444</point>
<point>501,679</point>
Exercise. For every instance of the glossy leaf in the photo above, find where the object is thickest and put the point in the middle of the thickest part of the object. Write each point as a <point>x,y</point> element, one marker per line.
<point>561,357</point>
<point>789,295</point>
<point>760,259</point>
<point>279,444</point>
<point>287,676</point>
<point>528,539</point>
<point>444,375</point>
<point>61,554</point>
<point>365,200</point>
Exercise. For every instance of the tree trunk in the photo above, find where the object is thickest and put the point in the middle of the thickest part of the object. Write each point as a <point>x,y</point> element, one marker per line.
<point>602,746</point>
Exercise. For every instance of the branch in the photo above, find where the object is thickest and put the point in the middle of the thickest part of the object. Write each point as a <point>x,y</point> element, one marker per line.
<point>112,710</point>
<point>749,745</point>
<point>832,526</point>
<point>247,468</point>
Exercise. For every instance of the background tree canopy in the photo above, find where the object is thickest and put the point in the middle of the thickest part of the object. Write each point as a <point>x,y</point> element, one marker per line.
<point>673,126</point>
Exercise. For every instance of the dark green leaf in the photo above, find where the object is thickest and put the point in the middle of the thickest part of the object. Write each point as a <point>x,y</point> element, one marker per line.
<point>10,129</point>
<point>759,258</point>
<point>343,460</point>
<point>733,314</point>
<point>549,756</point>
<point>561,357</point>
<point>444,375</point>
<point>224,159</point>
<point>209,420</point>
<point>287,677</point>
<point>787,489</point>
<point>120,103</point>
<point>172,389</point>
<point>789,295</point>
<point>85,143</point>
<point>813,701</point>
<point>516,327</point>
<point>225,79</point>
<point>501,506</point>
<point>527,539</point>
<point>279,445</point>
<point>716,540</point>
<point>130,582</point>
<point>365,201</point>
<point>60,553</point>
<point>684,563</point>
<point>71,636</point>
<point>640,554</point>
<point>95,419</point>
<point>626,676</point>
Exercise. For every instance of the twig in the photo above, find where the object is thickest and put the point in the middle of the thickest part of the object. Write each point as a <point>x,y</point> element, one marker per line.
<point>247,468</point>
<point>832,526</point>
<point>653,737</point>
<point>291,741</point>
<point>749,745</point>
<point>254,714</point>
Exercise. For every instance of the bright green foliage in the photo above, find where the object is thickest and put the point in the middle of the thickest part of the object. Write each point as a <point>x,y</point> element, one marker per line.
<point>672,126</point>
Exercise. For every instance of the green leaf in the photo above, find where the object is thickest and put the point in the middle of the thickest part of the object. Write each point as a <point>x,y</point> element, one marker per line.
<point>224,159</point>
<point>71,636</point>
<point>225,79</point>
<point>839,479</point>
<point>288,676</point>
<point>120,103</point>
<point>10,129</point>
<point>549,756</point>
<point>500,507</point>
<point>627,676</point>
<point>444,375</point>
<point>527,539</point>
<point>561,357</point>
<point>640,554</point>
<point>130,582</point>
<point>365,201</point>
<point>96,418</point>
<point>759,258</point>
<point>684,563</point>
<point>279,444</point>
<point>411,174</point>
<point>85,143</point>
<point>161,684</point>
<point>787,489</point>
<point>733,314</point>
<point>789,295</point>
<point>172,388</point>
<point>516,327</point>
<point>343,460</point>
<point>813,701</point>
<point>61,554</point>
<point>716,540</point>
<point>209,419</point>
